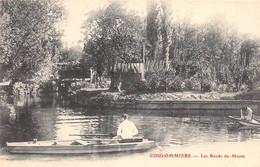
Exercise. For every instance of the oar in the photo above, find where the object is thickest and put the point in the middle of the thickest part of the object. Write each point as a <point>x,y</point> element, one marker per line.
<point>109,124</point>
<point>100,139</point>
<point>86,135</point>
<point>110,135</point>
<point>256,117</point>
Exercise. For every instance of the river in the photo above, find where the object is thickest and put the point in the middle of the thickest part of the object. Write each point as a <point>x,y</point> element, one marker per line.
<point>196,136</point>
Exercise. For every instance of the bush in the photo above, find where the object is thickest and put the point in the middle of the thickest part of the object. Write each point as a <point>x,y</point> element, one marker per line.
<point>103,98</point>
<point>46,88</point>
<point>176,84</point>
<point>221,77</point>
<point>21,89</point>
<point>192,84</point>
<point>130,87</point>
<point>251,95</point>
<point>155,81</point>
<point>206,87</point>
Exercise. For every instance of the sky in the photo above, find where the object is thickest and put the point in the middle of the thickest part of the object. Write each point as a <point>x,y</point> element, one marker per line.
<point>243,15</point>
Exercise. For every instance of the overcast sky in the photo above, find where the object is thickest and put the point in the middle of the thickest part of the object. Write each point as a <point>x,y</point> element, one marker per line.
<point>244,15</point>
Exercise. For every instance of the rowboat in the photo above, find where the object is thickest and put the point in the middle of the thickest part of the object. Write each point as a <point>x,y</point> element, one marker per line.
<point>253,123</point>
<point>86,146</point>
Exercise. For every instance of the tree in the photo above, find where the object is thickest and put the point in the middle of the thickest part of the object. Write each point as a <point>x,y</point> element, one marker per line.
<point>112,35</point>
<point>247,67</point>
<point>166,30</point>
<point>153,33</point>
<point>28,37</point>
<point>69,55</point>
<point>248,52</point>
<point>222,45</point>
<point>159,30</point>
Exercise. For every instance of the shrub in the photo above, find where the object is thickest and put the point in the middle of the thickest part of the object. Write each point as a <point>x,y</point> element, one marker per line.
<point>192,84</point>
<point>155,81</point>
<point>176,84</point>
<point>250,95</point>
<point>206,87</point>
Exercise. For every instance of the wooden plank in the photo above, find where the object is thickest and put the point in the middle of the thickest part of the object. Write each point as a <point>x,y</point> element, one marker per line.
<point>91,135</point>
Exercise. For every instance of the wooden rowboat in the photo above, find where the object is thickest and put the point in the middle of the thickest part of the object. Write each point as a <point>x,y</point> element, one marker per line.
<point>253,123</point>
<point>87,146</point>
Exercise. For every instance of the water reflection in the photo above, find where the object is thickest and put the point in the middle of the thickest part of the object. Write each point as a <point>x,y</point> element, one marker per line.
<point>47,120</point>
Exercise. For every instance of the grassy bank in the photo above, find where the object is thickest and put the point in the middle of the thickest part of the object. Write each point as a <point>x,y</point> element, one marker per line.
<point>88,98</point>
<point>252,95</point>
<point>168,96</point>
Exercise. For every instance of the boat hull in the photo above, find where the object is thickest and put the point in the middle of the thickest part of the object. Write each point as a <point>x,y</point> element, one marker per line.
<point>257,125</point>
<point>63,148</point>
<point>254,123</point>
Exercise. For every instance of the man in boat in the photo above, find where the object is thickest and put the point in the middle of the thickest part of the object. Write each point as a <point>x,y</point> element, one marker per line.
<point>246,113</point>
<point>126,129</point>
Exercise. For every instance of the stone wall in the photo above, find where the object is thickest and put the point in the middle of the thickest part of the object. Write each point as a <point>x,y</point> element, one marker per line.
<point>218,107</point>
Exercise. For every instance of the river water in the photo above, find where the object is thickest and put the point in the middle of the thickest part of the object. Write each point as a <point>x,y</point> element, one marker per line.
<point>48,119</point>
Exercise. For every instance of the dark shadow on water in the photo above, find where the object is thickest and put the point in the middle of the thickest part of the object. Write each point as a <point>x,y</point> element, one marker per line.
<point>238,128</point>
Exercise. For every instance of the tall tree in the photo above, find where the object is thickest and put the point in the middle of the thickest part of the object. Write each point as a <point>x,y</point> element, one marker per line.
<point>153,33</point>
<point>222,46</point>
<point>186,48</point>
<point>166,30</point>
<point>28,36</point>
<point>112,35</point>
<point>248,52</point>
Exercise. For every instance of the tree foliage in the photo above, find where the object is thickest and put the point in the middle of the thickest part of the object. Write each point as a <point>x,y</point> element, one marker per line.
<point>70,55</point>
<point>180,55</point>
<point>29,38</point>
<point>153,35</point>
<point>211,54</point>
<point>159,30</point>
<point>166,31</point>
<point>112,35</point>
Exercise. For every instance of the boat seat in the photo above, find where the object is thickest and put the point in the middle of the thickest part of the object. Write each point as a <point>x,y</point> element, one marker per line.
<point>79,142</point>
<point>131,140</point>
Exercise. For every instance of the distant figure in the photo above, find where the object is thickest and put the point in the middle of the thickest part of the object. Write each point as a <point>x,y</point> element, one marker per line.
<point>246,113</point>
<point>126,129</point>
<point>119,87</point>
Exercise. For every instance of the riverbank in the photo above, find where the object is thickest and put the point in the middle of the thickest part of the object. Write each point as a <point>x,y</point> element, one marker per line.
<point>7,113</point>
<point>100,97</point>
<point>216,103</point>
<point>169,96</point>
<point>5,107</point>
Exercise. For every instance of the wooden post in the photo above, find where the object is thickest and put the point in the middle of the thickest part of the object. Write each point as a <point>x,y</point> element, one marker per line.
<point>91,75</point>
<point>143,63</point>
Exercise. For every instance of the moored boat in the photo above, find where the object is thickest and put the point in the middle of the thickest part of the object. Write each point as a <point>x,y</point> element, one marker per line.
<point>87,146</point>
<point>253,123</point>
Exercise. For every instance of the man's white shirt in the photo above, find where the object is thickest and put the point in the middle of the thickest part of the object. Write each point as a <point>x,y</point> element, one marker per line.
<point>249,114</point>
<point>127,129</point>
